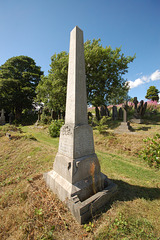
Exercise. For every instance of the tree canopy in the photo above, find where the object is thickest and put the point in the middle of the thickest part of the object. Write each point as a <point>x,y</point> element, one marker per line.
<point>104,76</point>
<point>51,90</point>
<point>19,77</point>
<point>152,93</point>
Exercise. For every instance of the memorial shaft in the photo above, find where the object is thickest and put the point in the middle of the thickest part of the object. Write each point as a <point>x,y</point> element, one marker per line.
<point>76,104</point>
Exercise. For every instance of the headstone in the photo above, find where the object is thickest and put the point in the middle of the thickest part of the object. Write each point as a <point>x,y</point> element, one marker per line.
<point>97,113</point>
<point>139,111</point>
<point>10,115</point>
<point>135,103</point>
<point>125,125</point>
<point>107,111</point>
<point>76,177</point>
<point>125,106</point>
<point>114,113</point>
<point>120,113</point>
<point>144,109</point>
<point>103,111</point>
<point>2,118</point>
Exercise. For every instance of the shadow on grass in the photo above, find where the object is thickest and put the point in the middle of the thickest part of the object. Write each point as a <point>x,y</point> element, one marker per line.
<point>128,192</point>
<point>142,129</point>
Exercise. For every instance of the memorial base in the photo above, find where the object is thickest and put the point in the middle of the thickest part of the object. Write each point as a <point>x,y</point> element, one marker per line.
<point>137,120</point>
<point>123,128</point>
<point>71,194</point>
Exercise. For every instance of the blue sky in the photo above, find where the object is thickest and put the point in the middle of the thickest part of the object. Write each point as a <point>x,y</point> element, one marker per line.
<point>40,28</point>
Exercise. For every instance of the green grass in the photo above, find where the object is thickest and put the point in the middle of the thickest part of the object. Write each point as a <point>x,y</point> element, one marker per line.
<point>122,167</point>
<point>42,136</point>
<point>30,211</point>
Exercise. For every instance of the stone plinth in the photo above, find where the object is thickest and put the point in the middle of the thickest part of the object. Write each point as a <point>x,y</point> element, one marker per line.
<point>137,120</point>
<point>76,177</point>
<point>123,128</point>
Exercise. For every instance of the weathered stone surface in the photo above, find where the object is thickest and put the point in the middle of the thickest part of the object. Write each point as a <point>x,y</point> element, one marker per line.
<point>2,117</point>
<point>114,113</point>
<point>139,111</point>
<point>120,113</point>
<point>137,120</point>
<point>76,169</point>
<point>76,107</point>
<point>83,210</point>
<point>123,128</point>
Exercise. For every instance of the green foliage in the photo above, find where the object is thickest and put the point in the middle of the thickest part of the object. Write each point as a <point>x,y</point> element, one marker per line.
<point>19,77</point>
<point>152,93</point>
<point>101,124</point>
<point>29,136</point>
<point>128,228</point>
<point>104,76</point>
<point>52,88</point>
<point>104,70</point>
<point>151,153</point>
<point>89,227</point>
<point>54,128</point>
<point>45,119</point>
<point>38,212</point>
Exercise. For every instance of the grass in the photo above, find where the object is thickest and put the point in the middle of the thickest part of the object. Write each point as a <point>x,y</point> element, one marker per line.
<point>30,211</point>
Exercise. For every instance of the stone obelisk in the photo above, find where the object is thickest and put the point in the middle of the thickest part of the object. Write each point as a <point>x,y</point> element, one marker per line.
<point>76,165</point>
<point>76,172</point>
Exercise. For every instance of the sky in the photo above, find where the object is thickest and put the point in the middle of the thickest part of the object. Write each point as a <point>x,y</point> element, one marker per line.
<point>40,28</point>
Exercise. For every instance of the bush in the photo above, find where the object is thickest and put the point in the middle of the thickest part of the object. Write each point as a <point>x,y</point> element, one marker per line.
<point>152,106</point>
<point>151,152</point>
<point>101,124</point>
<point>45,119</point>
<point>54,128</point>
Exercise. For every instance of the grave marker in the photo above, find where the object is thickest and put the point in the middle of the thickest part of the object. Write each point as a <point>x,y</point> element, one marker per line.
<point>76,176</point>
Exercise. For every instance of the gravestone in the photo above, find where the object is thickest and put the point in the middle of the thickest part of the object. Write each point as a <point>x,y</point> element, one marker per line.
<point>2,117</point>
<point>114,113</point>
<point>125,125</point>
<point>10,115</point>
<point>107,111</point>
<point>76,177</point>
<point>135,103</point>
<point>139,111</point>
<point>103,111</point>
<point>125,107</point>
<point>120,113</point>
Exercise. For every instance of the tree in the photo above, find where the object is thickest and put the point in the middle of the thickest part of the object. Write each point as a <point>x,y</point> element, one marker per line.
<point>152,93</point>
<point>104,76</point>
<point>19,77</point>
<point>52,88</point>
<point>104,72</point>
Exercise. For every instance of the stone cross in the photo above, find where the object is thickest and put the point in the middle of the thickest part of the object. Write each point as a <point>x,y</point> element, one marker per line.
<point>135,103</point>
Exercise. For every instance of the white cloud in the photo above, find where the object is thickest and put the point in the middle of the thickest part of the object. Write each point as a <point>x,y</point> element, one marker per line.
<point>145,79</point>
<point>155,76</point>
<point>136,83</point>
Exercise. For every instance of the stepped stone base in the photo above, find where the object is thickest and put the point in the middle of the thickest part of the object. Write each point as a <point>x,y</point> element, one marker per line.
<point>74,195</point>
<point>137,120</point>
<point>123,128</point>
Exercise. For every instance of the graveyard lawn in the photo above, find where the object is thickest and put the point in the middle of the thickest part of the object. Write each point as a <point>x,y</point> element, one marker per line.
<point>30,211</point>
